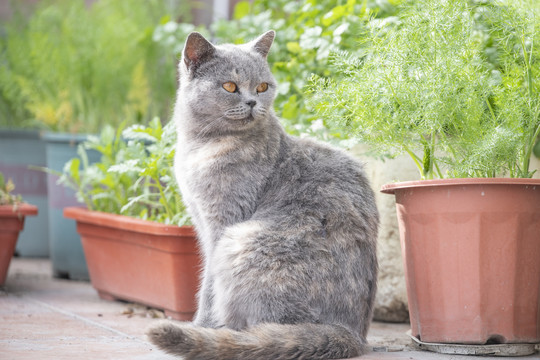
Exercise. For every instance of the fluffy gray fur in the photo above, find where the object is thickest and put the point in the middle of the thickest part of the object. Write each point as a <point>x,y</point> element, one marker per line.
<point>287,226</point>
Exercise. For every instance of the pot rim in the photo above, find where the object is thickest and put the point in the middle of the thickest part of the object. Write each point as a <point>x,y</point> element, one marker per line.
<point>18,210</point>
<point>82,214</point>
<point>63,137</point>
<point>20,133</point>
<point>391,188</point>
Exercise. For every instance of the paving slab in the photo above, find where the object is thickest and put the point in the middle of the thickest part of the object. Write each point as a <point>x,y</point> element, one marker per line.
<point>46,318</point>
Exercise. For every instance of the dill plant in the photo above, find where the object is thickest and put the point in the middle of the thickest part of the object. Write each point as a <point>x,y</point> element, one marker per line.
<point>454,85</point>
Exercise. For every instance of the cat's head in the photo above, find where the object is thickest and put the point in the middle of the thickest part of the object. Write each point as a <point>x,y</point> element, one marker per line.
<point>227,88</point>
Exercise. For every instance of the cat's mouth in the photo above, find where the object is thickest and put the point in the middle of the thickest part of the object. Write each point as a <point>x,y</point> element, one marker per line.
<point>245,121</point>
<point>240,123</point>
<point>240,116</point>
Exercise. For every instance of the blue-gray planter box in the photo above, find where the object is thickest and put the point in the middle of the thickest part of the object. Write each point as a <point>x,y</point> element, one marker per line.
<point>67,255</point>
<point>20,149</point>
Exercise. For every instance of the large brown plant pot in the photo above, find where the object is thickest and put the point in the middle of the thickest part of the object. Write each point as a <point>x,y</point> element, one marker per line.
<point>140,261</point>
<point>471,249</point>
<point>11,224</point>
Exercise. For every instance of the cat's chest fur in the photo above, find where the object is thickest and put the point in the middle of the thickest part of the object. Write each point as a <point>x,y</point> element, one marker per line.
<point>221,181</point>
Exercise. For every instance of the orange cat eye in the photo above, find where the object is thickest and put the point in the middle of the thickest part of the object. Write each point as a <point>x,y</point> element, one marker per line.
<point>229,86</point>
<point>262,87</point>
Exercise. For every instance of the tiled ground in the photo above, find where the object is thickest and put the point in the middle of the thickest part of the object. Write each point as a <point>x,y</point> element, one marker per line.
<point>46,318</point>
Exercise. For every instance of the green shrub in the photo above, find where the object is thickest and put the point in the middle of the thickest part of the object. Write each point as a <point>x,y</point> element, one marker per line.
<point>72,68</point>
<point>134,176</point>
<point>308,33</point>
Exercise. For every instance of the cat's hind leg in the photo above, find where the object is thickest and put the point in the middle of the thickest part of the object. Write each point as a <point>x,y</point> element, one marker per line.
<point>264,276</point>
<point>269,294</point>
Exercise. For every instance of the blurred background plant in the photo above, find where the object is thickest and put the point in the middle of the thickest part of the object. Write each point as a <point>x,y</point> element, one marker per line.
<point>308,33</point>
<point>73,68</point>
<point>70,67</point>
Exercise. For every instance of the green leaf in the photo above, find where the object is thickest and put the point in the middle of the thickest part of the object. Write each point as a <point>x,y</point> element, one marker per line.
<point>311,38</point>
<point>139,133</point>
<point>290,108</point>
<point>294,47</point>
<point>242,9</point>
<point>72,168</point>
<point>128,166</point>
<point>107,135</point>
<point>536,149</point>
<point>427,161</point>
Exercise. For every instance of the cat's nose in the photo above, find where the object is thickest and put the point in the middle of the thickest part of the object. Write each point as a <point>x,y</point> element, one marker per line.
<point>251,103</point>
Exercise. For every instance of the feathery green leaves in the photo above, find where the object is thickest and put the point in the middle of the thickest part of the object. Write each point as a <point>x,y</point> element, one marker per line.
<point>455,86</point>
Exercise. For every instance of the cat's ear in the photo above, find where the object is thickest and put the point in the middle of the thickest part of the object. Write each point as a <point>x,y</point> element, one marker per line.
<point>197,50</point>
<point>263,43</point>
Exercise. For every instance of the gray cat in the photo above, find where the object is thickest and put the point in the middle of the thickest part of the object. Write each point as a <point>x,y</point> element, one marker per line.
<point>287,226</point>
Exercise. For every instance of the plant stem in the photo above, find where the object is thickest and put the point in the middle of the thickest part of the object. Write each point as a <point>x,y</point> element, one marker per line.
<point>163,197</point>
<point>429,156</point>
<point>491,110</point>
<point>432,153</point>
<point>534,117</point>
<point>528,151</point>
<point>416,160</point>
<point>528,68</point>
<point>439,172</point>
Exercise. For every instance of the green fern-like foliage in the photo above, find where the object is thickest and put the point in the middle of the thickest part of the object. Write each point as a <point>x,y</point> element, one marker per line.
<point>454,85</point>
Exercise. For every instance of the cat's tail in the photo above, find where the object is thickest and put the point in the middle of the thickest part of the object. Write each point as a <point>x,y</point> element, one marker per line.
<point>264,341</point>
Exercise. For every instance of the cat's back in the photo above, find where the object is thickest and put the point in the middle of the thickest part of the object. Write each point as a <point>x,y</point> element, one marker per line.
<point>316,165</point>
<point>327,163</point>
<point>320,180</point>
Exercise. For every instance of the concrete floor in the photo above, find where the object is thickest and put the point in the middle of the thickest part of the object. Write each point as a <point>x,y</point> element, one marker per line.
<point>45,318</point>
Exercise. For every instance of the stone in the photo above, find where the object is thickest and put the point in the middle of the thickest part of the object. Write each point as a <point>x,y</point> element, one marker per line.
<point>391,300</point>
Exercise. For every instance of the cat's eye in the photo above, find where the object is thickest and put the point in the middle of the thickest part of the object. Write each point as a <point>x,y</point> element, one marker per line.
<point>262,87</point>
<point>229,86</point>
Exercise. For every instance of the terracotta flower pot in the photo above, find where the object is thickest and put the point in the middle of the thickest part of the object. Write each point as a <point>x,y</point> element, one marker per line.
<point>141,261</point>
<point>11,223</point>
<point>471,249</point>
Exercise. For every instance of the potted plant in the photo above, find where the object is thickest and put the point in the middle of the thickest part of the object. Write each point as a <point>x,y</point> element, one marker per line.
<point>455,86</point>
<point>12,215</point>
<point>109,69</point>
<point>132,241</point>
